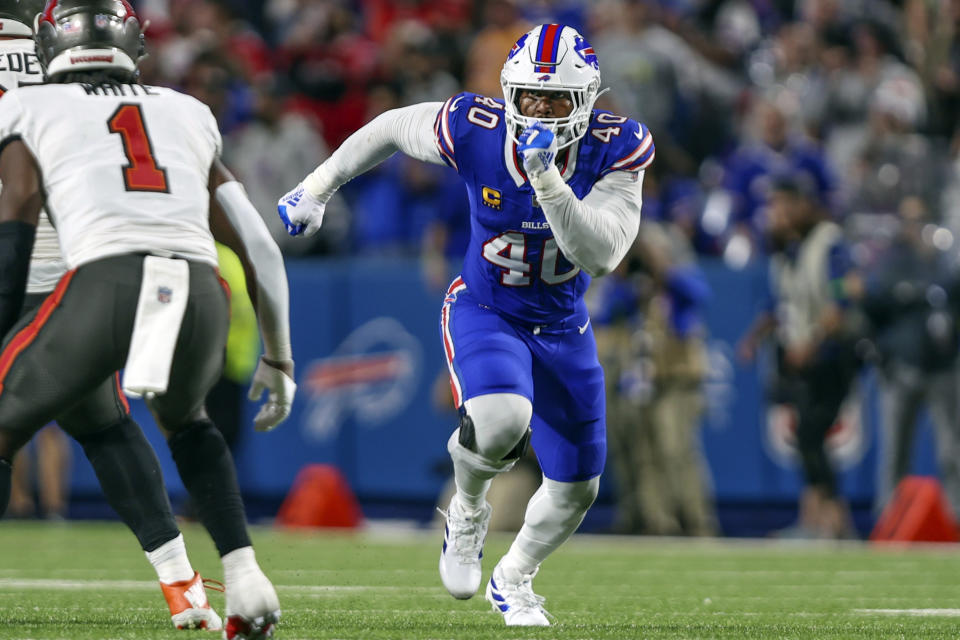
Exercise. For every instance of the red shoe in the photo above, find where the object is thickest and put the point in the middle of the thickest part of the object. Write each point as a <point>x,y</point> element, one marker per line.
<point>188,604</point>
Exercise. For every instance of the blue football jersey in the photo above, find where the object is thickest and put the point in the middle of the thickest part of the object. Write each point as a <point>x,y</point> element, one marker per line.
<point>513,263</point>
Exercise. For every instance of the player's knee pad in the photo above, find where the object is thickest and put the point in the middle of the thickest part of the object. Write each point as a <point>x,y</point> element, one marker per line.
<point>464,454</point>
<point>497,425</point>
<point>572,498</point>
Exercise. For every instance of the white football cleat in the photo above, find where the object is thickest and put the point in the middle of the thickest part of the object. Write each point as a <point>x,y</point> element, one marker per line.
<point>462,550</point>
<point>253,608</point>
<point>188,604</point>
<point>511,593</point>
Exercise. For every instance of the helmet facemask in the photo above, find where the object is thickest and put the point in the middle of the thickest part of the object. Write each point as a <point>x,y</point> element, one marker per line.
<point>568,129</point>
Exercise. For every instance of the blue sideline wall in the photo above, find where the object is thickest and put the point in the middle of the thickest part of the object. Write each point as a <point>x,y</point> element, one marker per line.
<point>368,351</point>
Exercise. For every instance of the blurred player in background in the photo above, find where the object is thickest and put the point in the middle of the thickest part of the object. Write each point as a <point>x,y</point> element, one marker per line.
<point>130,176</point>
<point>554,190</point>
<point>810,317</point>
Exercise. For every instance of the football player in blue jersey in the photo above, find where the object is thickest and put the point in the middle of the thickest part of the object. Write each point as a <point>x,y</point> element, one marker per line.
<point>554,190</point>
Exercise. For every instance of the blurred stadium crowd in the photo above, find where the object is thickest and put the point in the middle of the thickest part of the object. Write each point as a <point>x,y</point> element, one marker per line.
<point>858,97</point>
<point>848,108</point>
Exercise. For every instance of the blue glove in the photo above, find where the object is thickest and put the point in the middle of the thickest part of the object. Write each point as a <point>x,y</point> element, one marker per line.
<point>538,148</point>
<point>300,211</point>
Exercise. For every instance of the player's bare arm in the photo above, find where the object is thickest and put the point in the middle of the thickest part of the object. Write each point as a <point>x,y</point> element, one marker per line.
<point>22,195</point>
<point>235,223</point>
<point>20,202</point>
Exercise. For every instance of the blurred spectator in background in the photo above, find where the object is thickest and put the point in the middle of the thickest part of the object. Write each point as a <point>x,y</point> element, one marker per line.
<point>331,63</point>
<point>400,203</point>
<point>650,341</point>
<point>892,161</point>
<point>211,79</point>
<point>413,60</point>
<point>654,73</point>
<point>676,477</point>
<point>774,146</point>
<point>865,58</point>
<point>932,47</point>
<point>815,355</point>
<point>912,300</point>
<point>445,239</point>
<point>503,25</point>
<point>271,147</point>
<point>614,303</point>
<point>228,397</point>
<point>44,464</point>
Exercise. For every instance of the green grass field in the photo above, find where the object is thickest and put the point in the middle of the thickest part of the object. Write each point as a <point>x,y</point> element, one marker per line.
<point>91,581</point>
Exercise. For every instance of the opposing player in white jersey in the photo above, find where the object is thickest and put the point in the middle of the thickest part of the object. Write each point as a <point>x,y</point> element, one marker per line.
<point>129,175</point>
<point>132,482</point>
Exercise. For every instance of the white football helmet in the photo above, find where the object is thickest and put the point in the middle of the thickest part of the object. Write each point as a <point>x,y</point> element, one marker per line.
<point>552,57</point>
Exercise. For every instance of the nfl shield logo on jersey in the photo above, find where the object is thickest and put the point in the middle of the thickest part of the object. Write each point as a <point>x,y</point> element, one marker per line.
<point>100,20</point>
<point>164,294</point>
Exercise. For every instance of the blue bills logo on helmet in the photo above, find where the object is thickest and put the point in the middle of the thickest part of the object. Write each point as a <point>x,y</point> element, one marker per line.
<point>518,45</point>
<point>586,52</point>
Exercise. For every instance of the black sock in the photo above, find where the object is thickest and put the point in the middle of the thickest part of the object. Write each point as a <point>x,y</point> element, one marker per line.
<point>5,471</point>
<point>207,470</point>
<point>132,482</point>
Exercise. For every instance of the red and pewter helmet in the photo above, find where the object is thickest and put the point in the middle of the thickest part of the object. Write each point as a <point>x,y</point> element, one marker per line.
<point>88,35</point>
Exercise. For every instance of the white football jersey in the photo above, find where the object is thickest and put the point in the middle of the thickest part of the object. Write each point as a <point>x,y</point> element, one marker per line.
<point>125,167</point>
<point>18,67</point>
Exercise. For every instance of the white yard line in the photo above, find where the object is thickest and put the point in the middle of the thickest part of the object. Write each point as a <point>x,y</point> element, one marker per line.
<point>44,583</point>
<point>945,613</point>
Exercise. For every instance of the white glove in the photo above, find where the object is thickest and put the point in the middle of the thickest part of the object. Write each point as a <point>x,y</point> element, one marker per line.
<point>538,148</point>
<point>301,212</point>
<point>280,390</point>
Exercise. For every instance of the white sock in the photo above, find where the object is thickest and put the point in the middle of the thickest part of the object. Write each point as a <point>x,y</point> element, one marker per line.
<point>238,563</point>
<point>471,489</point>
<point>170,561</point>
<point>553,514</point>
